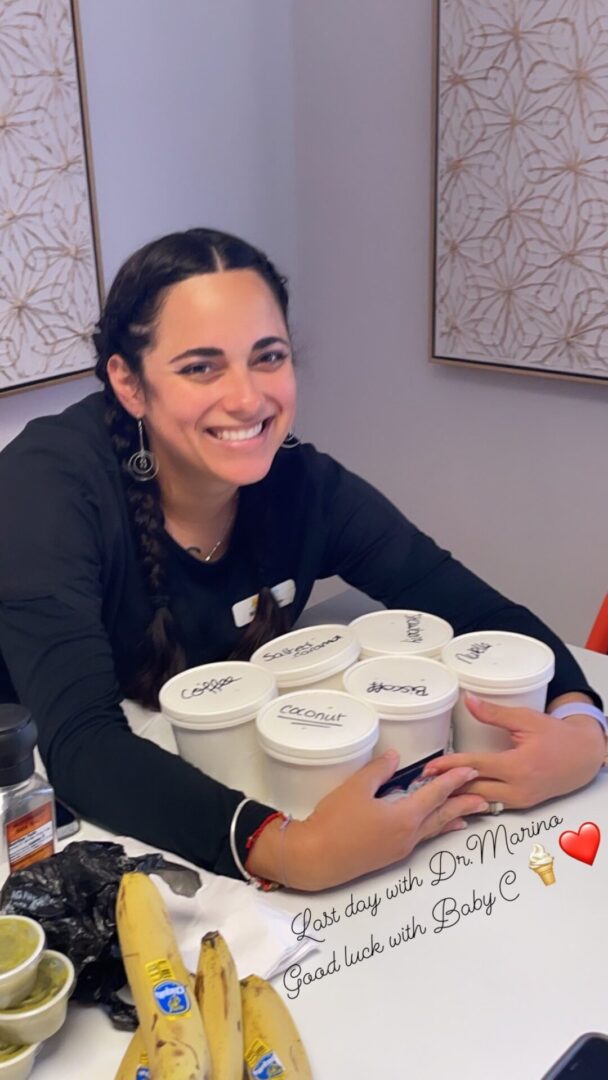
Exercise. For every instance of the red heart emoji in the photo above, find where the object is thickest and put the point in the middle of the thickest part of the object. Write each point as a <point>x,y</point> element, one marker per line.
<point>582,845</point>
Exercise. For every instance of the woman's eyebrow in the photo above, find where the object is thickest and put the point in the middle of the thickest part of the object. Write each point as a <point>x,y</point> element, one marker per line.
<point>199,350</point>
<point>209,351</point>
<point>264,342</point>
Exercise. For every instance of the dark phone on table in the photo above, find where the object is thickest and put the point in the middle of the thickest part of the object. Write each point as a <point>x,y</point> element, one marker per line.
<point>586,1059</point>
<point>67,822</point>
<point>404,777</point>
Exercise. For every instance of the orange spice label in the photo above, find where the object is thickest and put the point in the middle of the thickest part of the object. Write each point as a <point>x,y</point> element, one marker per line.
<point>30,837</point>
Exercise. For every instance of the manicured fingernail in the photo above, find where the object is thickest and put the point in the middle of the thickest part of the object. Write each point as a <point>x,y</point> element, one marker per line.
<point>462,824</point>
<point>482,806</point>
<point>471,774</point>
<point>473,697</point>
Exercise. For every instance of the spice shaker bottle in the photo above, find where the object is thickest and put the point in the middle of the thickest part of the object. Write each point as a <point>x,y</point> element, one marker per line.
<point>27,804</point>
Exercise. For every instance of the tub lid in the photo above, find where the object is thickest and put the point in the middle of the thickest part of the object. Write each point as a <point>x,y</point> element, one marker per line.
<point>496,659</point>
<point>308,654</point>
<point>401,631</point>
<point>317,726</point>
<point>217,695</point>
<point>409,686</point>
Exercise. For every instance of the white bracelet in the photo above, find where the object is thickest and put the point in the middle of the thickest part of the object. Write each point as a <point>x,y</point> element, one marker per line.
<point>581,708</point>
<point>233,848</point>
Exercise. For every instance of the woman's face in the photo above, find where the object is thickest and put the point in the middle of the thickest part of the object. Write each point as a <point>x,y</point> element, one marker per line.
<point>219,391</point>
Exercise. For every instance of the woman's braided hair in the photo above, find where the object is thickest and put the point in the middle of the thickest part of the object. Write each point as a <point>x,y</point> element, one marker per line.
<point>126,327</point>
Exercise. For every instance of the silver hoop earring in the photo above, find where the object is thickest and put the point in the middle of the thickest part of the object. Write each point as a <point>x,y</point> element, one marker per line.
<point>143,464</point>
<point>290,441</point>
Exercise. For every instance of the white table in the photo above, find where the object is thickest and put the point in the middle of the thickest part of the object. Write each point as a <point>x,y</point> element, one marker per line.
<point>497,996</point>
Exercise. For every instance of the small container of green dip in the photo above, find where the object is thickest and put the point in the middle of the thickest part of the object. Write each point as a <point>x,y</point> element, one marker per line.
<point>21,943</point>
<point>42,1012</point>
<point>16,1062</point>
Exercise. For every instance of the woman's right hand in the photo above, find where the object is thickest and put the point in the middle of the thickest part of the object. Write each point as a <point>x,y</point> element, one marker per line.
<point>350,832</point>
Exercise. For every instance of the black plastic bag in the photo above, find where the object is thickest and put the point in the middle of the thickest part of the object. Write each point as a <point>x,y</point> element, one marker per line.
<point>73,897</point>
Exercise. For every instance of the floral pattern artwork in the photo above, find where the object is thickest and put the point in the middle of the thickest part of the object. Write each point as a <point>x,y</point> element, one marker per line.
<point>49,288</point>
<point>521,253</point>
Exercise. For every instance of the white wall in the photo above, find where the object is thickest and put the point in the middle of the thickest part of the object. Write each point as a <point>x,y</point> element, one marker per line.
<point>193,107</point>
<point>508,471</point>
<point>191,112</point>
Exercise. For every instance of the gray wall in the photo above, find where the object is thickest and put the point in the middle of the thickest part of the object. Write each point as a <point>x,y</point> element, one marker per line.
<point>193,106</point>
<point>507,471</point>
<point>191,112</point>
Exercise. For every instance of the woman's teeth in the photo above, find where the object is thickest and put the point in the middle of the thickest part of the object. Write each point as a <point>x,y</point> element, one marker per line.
<point>237,434</point>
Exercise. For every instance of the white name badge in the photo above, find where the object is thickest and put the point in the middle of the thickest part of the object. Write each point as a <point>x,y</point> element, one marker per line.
<point>244,612</point>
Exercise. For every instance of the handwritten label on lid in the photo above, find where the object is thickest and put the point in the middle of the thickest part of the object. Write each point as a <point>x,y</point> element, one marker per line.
<point>228,690</point>
<point>310,723</point>
<point>378,687</point>
<point>413,629</point>
<point>304,717</point>
<point>474,651</point>
<point>402,683</point>
<point>208,686</point>
<point>398,631</point>
<point>298,651</point>
<point>499,658</point>
<point>308,652</point>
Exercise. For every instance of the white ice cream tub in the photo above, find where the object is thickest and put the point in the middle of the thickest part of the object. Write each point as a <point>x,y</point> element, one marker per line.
<point>314,657</point>
<point>414,698</point>
<point>313,740</point>
<point>212,710</point>
<point>401,632</point>
<point>501,667</point>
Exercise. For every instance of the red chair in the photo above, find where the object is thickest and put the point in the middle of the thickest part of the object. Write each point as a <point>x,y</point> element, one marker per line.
<point>598,638</point>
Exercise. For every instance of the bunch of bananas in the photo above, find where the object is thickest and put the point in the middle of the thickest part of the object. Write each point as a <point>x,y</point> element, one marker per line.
<point>208,1028</point>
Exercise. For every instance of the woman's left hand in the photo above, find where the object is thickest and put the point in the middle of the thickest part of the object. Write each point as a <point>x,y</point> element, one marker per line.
<point>550,757</point>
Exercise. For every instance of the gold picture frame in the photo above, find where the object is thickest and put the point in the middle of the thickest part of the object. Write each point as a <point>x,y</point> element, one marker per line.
<point>520,260</point>
<point>51,279</point>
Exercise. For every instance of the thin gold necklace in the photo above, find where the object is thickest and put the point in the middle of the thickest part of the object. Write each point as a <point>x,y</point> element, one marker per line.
<point>209,555</point>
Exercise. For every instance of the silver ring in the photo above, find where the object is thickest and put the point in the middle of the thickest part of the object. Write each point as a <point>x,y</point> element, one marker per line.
<point>496,807</point>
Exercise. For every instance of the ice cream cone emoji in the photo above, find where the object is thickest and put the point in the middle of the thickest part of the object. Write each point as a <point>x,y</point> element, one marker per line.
<point>542,864</point>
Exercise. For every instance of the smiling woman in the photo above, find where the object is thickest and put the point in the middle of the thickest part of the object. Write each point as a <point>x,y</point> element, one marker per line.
<point>213,413</point>
<point>149,528</point>
<point>201,359</point>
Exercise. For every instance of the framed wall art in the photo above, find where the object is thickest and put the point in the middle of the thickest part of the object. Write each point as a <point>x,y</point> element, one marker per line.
<point>521,194</point>
<point>50,274</point>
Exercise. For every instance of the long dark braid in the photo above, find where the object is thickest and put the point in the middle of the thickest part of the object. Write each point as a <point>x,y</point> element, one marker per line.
<point>147,520</point>
<point>126,328</point>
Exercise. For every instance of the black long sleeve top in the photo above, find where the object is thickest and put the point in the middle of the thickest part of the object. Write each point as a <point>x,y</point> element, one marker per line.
<point>74,608</point>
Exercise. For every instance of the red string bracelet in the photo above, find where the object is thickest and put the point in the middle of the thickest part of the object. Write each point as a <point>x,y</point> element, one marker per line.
<point>254,836</point>
<point>263,883</point>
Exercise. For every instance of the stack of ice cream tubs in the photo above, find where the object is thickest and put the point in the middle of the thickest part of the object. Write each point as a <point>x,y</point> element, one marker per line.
<point>313,706</point>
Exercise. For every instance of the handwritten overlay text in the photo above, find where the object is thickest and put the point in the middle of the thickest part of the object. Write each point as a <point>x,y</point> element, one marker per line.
<point>444,913</point>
